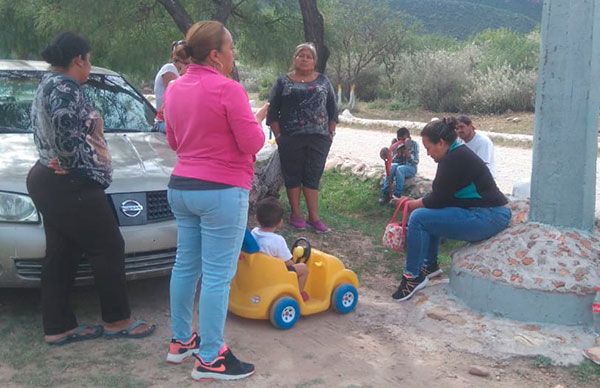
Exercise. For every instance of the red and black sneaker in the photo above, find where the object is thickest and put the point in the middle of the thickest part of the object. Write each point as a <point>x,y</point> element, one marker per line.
<point>409,286</point>
<point>225,367</point>
<point>180,351</point>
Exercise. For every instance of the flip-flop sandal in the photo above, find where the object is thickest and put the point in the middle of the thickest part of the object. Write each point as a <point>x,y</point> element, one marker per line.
<point>593,354</point>
<point>128,332</point>
<point>79,335</point>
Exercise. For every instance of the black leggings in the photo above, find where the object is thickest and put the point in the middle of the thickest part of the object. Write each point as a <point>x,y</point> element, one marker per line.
<point>78,220</point>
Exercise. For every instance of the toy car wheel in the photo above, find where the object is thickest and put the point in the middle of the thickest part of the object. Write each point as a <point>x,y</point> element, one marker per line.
<point>344,298</point>
<point>284,313</point>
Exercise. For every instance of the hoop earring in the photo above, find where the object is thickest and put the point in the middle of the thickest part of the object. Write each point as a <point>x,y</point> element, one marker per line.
<point>216,65</point>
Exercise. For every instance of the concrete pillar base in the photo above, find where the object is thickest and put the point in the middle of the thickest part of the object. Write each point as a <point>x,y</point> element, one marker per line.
<point>530,272</point>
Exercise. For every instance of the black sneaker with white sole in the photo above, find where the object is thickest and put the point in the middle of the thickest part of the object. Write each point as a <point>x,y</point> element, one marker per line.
<point>431,271</point>
<point>409,286</point>
<point>384,199</point>
<point>225,367</point>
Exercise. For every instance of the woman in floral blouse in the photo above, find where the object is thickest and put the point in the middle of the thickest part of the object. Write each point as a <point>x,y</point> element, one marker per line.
<point>67,186</point>
<point>303,115</point>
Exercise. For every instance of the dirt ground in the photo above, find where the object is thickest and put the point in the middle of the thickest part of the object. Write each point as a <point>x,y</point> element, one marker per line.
<point>381,344</point>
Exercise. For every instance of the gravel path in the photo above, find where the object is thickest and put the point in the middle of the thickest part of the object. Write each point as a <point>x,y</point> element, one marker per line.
<point>513,165</point>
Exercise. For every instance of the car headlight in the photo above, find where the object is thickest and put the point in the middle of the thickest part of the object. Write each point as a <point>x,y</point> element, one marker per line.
<point>17,208</point>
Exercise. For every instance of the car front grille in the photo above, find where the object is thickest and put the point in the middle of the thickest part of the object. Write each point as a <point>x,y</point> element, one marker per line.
<point>158,206</point>
<point>143,264</point>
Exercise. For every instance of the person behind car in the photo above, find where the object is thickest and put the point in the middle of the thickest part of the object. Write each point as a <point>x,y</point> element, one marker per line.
<point>464,204</point>
<point>211,127</point>
<point>269,215</point>
<point>477,142</point>
<point>169,72</point>
<point>303,115</point>
<point>404,164</point>
<point>67,186</point>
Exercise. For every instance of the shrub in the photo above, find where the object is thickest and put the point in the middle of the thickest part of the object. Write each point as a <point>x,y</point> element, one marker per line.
<point>500,89</point>
<point>265,89</point>
<point>367,85</point>
<point>503,46</point>
<point>256,79</point>
<point>436,80</point>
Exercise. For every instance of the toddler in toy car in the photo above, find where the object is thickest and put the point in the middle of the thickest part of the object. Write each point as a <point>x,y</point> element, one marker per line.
<point>269,215</point>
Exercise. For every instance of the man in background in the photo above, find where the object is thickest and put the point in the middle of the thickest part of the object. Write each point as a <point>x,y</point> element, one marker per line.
<point>477,142</point>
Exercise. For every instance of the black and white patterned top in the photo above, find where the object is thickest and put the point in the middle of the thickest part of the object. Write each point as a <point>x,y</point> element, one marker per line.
<point>302,108</point>
<point>67,127</point>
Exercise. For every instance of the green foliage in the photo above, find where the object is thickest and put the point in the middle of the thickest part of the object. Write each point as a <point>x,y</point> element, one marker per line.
<point>129,37</point>
<point>362,37</point>
<point>18,35</point>
<point>529,8</point>
<point>503,46</point>
<point>433,42</point>
<point>435,80</point>
<point>348,202</point>
<point>269,32</point>
<point>265,89</point>
<point>134,37</point>
<point>255,79</point>
<point>462,18</point>
<point>587,372</point>
<point>373,46</point>
<point>500,89</point>
<point>542,361</point>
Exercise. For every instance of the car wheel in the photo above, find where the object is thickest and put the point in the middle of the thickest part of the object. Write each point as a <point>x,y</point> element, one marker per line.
<point>344,298</point>
<point>284,313</point>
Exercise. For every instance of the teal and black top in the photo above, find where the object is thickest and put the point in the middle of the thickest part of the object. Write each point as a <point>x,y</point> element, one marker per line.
<point>463,180</point>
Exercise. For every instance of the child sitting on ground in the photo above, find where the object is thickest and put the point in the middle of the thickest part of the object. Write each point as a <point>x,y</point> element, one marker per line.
<point>269,215</point>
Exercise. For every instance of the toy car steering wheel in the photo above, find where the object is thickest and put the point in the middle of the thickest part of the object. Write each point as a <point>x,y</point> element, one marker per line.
<point>301,250</point>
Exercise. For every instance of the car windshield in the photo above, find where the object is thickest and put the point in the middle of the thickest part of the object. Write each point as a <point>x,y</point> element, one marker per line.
<point>121,106</point>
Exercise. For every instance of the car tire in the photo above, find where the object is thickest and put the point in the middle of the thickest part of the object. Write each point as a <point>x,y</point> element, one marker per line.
<point>344,298</point>
<point>284,313</point>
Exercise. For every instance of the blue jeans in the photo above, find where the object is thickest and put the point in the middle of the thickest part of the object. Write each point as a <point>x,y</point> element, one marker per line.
<point>398,173</point>
<point>210,230</point>
<point>160,126</point>
<point>426,226</point>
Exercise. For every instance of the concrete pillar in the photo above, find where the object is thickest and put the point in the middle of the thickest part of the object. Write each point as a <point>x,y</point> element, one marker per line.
<point>566,115</point>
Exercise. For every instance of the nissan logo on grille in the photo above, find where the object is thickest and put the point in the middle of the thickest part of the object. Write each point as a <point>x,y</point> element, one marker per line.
<point>131,208</point>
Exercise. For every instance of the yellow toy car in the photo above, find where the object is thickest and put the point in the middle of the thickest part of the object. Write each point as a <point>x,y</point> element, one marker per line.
<point>263,288</point>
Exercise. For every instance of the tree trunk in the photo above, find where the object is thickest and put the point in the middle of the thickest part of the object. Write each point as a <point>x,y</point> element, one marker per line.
<point>182,19</point>
<point>268,179</point>
<point>314,31</point>
<point>224,9</point>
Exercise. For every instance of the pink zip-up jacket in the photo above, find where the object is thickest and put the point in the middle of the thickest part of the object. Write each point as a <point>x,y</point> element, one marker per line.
<point>211,127</point>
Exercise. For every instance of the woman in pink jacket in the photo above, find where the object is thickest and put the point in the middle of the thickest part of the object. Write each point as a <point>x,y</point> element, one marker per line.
<point>211,127</point>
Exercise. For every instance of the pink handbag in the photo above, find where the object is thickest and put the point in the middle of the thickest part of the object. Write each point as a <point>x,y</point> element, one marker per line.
<point>394,236</point>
